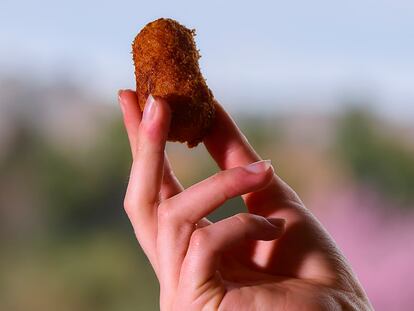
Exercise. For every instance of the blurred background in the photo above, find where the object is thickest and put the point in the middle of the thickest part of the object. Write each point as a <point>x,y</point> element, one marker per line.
<point>323,88</point>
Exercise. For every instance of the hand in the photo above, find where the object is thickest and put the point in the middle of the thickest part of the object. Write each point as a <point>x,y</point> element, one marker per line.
<point>251,261</point>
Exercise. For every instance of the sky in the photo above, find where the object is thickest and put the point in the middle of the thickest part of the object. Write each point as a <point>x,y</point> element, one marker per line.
<point>255,54</point>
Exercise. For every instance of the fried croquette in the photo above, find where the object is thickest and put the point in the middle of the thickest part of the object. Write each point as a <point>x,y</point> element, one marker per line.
<point>166,65</point>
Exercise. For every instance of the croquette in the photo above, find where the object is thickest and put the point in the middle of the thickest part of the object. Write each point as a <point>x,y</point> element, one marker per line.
<point>166,66</point>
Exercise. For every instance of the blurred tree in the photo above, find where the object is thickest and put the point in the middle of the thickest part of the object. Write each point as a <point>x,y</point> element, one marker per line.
<point>83,193</point>
<point>101,270</point>
<point>86,256</point>
<point>376,156</point>
<point>262,133</point>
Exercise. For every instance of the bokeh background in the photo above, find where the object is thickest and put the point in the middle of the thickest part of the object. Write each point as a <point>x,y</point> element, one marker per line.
<point>323,88</point>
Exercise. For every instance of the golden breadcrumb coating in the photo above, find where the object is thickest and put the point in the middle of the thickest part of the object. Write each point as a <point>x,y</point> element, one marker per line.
<point>166,65</point>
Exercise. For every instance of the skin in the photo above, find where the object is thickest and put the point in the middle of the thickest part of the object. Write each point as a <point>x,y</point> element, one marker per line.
<point>276,257</point>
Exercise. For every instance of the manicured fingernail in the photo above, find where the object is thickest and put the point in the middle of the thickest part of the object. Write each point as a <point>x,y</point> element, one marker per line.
<point>121,102</point>
<point>149,109</point>
<point>277,222</point>
<point>258,167</point>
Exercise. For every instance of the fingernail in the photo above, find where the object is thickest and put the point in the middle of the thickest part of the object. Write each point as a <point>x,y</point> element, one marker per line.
<point>258,167</point>
<point>149,109</point>
<point>121,102</point>
<point>277,222</point>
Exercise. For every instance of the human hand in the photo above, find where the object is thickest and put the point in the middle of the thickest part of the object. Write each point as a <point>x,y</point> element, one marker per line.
<point>250,261</point>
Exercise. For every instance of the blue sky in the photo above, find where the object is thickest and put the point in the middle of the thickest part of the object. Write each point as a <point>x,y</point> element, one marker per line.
<point>300,53</point>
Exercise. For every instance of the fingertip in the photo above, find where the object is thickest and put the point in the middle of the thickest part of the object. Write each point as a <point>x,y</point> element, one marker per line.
<point>165,106</point>
<point>129,96</point>
<point>125,96</point>
<point>129,105</point>
<point>274,229</point>
<point>120,94</point>
<point>131,115</point>
<point>156,119</point>
<point>129,91</point>
<point>164,112</point>
<point>121,101</point>
<point>259,167</point>
<point>258,174</point>
<point>278,223</point>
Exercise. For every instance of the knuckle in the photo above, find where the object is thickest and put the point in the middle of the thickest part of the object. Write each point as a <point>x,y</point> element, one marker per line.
<point>164,212</point>
<point>167,214</point>
<point>244,218</point>
<point>231,188</point>
<point>227,184</point>
<point>199,238</point>
<point>128,205</point>
<point>216,178</point>
<point>151,148</point>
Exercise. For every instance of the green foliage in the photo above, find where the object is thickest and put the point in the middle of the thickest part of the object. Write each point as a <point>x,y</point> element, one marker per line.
<point>86,257</point>
<point>262,132</point>
<point>103,270</point>
<point>81,193</point>
<point>376,158</point>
